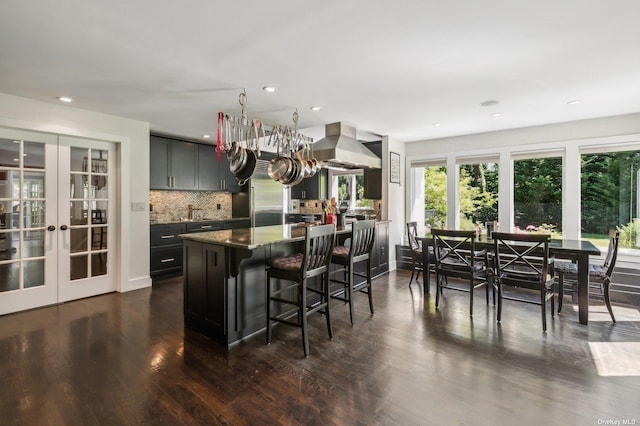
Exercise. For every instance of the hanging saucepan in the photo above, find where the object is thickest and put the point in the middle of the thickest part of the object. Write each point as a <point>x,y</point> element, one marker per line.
<point>245,173</point>
<point>302,174</point>
<point>236,165</point>
<point>295,174</point>
<point>278,168</point>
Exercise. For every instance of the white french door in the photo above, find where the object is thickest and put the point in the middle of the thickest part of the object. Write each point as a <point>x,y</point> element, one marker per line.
<point>56,214</point>
<point>86,216</point>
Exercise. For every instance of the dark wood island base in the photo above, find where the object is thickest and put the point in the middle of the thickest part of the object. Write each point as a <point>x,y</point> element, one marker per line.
<point>225,279</point>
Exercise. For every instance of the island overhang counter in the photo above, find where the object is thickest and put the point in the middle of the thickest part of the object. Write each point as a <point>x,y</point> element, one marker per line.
<point>225,280</point>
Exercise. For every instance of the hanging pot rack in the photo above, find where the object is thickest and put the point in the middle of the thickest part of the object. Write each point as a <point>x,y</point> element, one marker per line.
<point>241,139</point>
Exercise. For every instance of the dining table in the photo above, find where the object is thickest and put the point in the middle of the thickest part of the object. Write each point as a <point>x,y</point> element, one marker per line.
<point>577,251</point>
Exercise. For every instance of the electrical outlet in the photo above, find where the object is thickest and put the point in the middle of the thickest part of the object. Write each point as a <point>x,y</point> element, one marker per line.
<point>138,207</point>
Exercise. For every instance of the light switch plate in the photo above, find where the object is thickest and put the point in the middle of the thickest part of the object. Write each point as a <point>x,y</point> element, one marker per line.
<point>138,207</point>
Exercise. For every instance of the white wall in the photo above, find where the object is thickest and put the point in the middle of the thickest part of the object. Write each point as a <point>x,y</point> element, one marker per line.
<point>393,197</point>
<point>132,138</point>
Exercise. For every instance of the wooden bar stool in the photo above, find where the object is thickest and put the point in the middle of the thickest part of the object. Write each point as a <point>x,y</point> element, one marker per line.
<point>299,268</point>
<point>362,238</point>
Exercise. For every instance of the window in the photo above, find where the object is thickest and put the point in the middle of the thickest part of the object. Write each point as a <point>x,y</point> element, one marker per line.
<point>478,195</point>
<point>349,187</point>
<point>537,195</point>
<point>609,197</point>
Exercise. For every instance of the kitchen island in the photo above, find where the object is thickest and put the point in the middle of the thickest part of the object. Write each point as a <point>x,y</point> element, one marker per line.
<point>225,279</point>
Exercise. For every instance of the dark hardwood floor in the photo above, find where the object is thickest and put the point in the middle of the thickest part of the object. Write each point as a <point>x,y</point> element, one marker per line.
<point>126,359</point>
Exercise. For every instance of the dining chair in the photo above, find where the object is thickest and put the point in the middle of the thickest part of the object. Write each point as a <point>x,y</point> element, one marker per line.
<point>416,252</point>
<point>599,275</point>
<point>299,269</point>
<point>358,251</point>
<point>456,256</point>
<point>523,261</point>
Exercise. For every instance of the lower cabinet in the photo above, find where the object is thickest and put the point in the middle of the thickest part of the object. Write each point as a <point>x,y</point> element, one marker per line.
<point>204,296</point>
<point>166,248</point>
<point>166,245</point>
<point>380,253</point>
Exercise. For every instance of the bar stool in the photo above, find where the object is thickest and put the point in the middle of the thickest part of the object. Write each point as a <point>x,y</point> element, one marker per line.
<point>362,238</point>
<point>299,268</point>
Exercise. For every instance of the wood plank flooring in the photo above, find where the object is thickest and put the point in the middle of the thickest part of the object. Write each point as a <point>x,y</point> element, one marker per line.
<point>126,359</point>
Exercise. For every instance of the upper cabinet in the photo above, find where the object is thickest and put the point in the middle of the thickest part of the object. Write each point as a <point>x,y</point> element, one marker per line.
<point>313,188</point>
<point>214,174</point>
<point>173,164</point>
<point>184,165</point>
<point>373,184</point>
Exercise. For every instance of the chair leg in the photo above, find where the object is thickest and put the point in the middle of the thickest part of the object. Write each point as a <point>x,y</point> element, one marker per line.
<point>560,291</point>
<point>302,307</point>
<point>369,286</point>
<point>438,289</point>
<point>325,280</point>
<point>413,270</point>
<point>471,297</point>
<point>350,292</point>
<point>607,299</point>
<point>499,301</point>
<point>268,308</point>
<point>544,310</point>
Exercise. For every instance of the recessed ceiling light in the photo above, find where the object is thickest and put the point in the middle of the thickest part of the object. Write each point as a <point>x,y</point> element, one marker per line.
<point>206,136</point>
<point>65,99</point>
<point>496,114</point>
<point>574,102</point>
<point>436,124</point>
<point>269,89</point>
<point>315,108</point>
<point>489,103</point>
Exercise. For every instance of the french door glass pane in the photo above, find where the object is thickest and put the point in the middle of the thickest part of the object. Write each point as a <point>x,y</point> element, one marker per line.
<point>10,273</point>
<point>78,212</point>
<point>33,155</point>
<point>78,266</point>
<point>98,264</point>
<point>33,244</point>
<point>9,153</point>
<point>79,159</point>
<point>33,273</point>
<point>78,240</point>
<point>79,182</point>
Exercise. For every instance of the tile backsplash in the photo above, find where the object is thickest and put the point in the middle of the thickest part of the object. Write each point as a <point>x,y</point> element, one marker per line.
<point>169,206</point>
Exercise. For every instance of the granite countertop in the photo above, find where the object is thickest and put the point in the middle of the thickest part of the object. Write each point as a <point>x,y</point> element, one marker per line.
<point>252,238</point>
<point>170,222</point>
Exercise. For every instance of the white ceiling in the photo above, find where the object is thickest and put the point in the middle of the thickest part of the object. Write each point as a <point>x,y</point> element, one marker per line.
<point>388,67</point>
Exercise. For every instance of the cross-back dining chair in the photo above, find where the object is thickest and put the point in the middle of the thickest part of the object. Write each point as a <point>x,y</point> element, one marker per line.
<point>523,261</point>
<point>456,256</point>
<point>599,275</point>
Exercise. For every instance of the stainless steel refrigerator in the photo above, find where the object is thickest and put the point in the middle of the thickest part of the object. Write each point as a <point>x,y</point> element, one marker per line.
<point>267,197</point>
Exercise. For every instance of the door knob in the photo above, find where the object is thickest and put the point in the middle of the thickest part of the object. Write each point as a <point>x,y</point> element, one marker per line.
<point>51,228</point>
<point>63,228</point>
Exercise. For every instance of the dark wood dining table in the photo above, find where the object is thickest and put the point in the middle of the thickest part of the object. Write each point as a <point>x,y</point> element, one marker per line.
<point>577,251</point>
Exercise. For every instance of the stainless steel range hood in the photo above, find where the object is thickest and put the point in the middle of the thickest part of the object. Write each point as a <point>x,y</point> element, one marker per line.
<point>340,148</point>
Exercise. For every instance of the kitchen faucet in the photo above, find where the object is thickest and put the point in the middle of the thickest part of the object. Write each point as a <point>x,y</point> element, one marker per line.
<point>190,210</point>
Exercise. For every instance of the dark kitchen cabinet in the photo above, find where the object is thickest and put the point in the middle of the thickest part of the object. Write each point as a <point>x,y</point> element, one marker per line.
<point>214,174</point>
<point>373,184</point>
<point>205,226</point>
<point>166,245</point>
<point>204,297</point>
<point>313,188</point>
<point>174,164</point>
<point>380,252</point>
<point>166,248</point>
<point>237,224</point>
